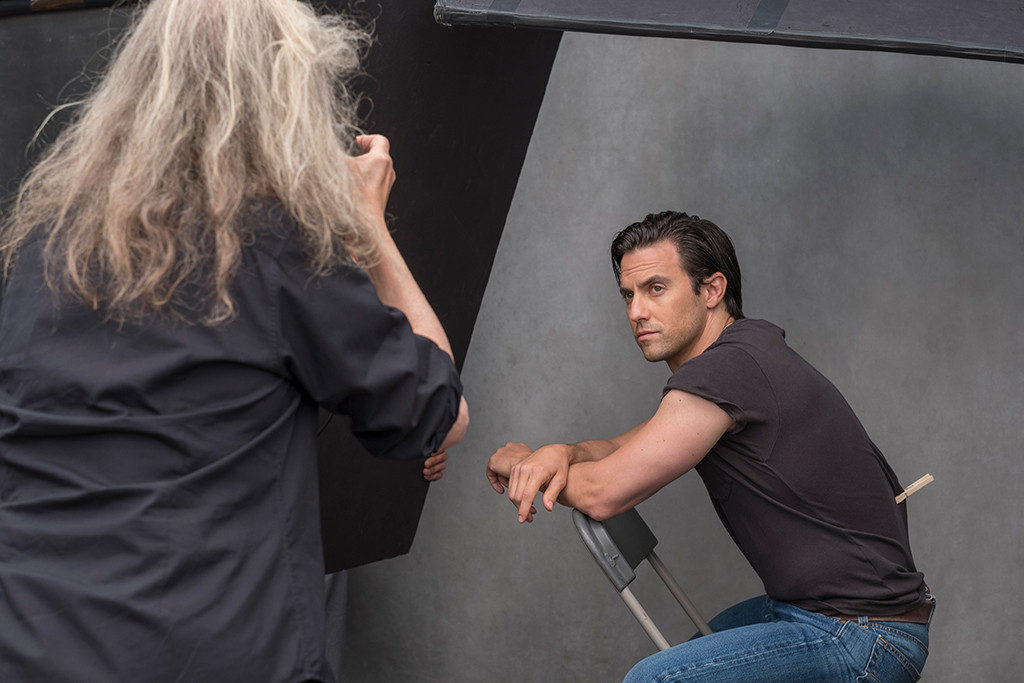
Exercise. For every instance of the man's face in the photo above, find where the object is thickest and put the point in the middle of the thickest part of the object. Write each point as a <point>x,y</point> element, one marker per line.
<point>667,317</point>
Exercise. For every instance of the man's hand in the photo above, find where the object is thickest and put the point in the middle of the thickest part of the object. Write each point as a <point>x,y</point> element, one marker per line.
<point>547,470</point>
<point>434,466</point>
<point>525,472</point>
<point>499,468</point>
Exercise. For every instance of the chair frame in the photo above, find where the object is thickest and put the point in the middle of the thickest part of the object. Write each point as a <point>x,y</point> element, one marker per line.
<point>619,545</point>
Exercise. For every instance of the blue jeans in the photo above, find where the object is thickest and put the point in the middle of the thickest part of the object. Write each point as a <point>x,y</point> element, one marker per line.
<point>763,640</point>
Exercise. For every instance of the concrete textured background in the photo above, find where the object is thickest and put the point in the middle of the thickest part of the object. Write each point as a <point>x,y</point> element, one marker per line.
<point>875,201</point>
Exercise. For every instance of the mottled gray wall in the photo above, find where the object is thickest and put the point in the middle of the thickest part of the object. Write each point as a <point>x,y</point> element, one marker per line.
<point>876,202</point>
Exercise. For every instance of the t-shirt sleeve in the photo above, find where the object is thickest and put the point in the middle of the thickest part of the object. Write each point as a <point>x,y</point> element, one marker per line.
<point>727,376</point>
<point>354,355</point>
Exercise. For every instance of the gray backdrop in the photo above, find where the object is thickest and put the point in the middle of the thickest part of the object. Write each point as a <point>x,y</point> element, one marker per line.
<point>875,201</point>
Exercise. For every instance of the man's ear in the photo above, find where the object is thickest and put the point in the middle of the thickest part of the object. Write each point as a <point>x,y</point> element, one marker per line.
<point>714,288</point>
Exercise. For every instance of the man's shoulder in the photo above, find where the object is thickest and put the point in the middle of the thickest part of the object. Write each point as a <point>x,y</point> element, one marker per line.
<point>749,336</point>
<point>740,348</point>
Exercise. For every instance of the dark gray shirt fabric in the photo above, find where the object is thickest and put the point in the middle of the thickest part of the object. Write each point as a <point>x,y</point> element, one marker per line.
<point>801,488</point>
<point>159,517</point>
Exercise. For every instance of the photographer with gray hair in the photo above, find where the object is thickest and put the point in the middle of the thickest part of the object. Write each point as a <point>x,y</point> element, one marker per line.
<point>196,265</point>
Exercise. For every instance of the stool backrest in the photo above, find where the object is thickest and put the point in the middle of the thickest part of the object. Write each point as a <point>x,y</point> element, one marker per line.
<point>618,545</point>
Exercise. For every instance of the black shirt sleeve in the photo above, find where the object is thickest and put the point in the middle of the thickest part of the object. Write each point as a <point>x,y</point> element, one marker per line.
<point>727,376</point>
<point>356,356</point>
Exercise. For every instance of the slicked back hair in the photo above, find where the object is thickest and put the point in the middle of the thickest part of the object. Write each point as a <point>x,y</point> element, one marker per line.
<point>704,249</point>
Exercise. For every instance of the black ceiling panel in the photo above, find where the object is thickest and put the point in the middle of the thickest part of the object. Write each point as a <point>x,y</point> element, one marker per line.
<point>980,29</point>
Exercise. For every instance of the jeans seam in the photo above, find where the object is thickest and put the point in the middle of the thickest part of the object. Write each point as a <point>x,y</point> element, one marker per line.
<point>668,674</point>
<point>895,653</point>
<point>880,626</point>
<point>902,634</point>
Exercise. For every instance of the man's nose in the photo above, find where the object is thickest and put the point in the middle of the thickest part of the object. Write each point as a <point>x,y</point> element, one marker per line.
<point>637,309</point>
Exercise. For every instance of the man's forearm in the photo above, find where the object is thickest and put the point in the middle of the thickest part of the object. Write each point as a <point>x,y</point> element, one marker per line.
<point>589,451</point>
<point>596,488</point>
<point>598,449</point>
<point>587,492</point>
<point>583,488</point>
<point>527,472</point>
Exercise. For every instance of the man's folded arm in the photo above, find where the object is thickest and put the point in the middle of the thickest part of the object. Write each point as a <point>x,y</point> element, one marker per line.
<point>661,450</point>
<point>598,449</point>
<point>537,469</point>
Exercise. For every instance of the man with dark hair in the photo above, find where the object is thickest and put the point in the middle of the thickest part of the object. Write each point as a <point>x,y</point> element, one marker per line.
<point>797,482</point>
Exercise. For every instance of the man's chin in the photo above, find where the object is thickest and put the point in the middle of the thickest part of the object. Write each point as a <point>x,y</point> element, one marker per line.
<point>651,355</point>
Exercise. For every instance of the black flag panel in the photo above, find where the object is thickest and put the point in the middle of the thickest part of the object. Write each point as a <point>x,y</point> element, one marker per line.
<point>12,7</point>
<point>459,109</point>
<point>982,29</point>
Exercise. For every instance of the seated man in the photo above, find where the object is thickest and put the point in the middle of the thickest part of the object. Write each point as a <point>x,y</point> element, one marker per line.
<point>802,490</point>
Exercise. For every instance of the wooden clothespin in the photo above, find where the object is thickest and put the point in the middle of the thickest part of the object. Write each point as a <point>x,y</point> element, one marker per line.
<point>915,487</point>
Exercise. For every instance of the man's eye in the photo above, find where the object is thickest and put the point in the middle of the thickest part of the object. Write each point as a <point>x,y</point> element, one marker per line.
<point>657,289</point>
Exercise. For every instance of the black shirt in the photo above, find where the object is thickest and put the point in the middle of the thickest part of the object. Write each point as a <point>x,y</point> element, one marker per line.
<point>806,495</point>
<point>159,518</point>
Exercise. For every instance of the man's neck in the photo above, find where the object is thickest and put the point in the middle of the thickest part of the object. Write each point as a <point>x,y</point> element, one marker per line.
<point>717,321</point>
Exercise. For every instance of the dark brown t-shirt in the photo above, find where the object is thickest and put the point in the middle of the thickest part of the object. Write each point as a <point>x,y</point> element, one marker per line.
<point>805,494</point>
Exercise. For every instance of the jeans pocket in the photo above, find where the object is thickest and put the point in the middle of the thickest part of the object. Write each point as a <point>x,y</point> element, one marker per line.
<point>895,660</point>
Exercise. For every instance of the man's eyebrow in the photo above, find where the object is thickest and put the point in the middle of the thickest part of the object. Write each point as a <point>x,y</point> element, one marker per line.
<point>651,280</point>
<point>646,283</point>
